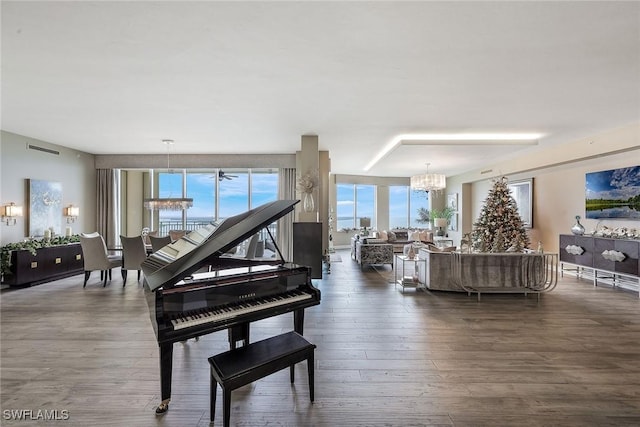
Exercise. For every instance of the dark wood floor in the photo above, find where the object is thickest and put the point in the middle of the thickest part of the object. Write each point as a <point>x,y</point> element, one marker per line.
<point>384,358</point>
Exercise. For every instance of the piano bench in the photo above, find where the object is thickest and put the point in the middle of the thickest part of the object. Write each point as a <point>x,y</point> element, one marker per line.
<point>241,366</point>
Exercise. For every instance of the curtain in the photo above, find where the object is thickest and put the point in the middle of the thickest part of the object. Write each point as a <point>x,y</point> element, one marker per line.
<point>106,206</point>
<point>286,191</point>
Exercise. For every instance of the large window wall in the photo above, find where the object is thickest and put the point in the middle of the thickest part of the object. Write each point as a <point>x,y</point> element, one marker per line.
<point>216,194</point>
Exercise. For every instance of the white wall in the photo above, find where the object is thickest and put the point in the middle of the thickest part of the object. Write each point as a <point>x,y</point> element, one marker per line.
<point>74,169</point>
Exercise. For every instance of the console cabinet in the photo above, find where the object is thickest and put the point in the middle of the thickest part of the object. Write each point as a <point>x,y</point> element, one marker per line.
<point>307,246</point>
<point>615,261</point>
<point>48,264</point>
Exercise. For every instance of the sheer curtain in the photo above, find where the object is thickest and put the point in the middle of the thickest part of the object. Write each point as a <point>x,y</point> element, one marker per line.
<point>106,206</point>
<point>286,191</point>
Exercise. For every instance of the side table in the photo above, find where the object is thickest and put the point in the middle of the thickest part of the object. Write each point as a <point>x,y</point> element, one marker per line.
<point>406,271</point>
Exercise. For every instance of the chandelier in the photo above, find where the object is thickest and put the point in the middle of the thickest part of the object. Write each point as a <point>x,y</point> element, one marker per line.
<point>168,203</point>
<point>429,181</point>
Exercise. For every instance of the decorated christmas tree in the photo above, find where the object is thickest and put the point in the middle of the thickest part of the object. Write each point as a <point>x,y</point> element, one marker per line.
<point>499,227</point>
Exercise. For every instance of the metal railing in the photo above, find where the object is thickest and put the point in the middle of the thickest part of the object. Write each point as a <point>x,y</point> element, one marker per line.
<point>165,226</point>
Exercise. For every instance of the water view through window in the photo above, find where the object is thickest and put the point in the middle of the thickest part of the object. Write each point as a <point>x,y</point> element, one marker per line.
<point>215,195</point>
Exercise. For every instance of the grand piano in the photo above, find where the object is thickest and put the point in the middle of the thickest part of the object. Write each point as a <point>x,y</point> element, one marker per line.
<point>194,287</point>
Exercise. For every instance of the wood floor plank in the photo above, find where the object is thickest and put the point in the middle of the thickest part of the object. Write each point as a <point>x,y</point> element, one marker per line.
<point>383,358</point>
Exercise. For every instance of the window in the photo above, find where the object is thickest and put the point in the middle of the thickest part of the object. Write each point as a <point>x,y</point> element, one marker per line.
<point>233,193</point>
<point>345,209</point>
<point>398,206</point>
<point>403,206</point>
<point>365,203</point>
<point>201,187</point>
<point>264,187</point>
<point>170,185</point>
<point>417,199</point>
<point>354,202</point>
<point>214,197</point>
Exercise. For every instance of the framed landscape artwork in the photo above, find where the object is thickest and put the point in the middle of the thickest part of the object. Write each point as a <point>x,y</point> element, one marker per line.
<point>613,194</point>
<point>45,207</point>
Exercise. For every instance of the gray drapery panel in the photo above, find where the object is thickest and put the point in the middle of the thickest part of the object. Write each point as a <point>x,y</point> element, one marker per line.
<point>105,206</point>
<point>286,191</point>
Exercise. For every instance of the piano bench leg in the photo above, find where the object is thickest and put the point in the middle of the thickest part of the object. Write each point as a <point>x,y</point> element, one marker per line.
<point>212,402</point>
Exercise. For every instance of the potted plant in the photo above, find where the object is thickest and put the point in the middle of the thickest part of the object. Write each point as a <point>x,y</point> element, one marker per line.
<point>430,216</point>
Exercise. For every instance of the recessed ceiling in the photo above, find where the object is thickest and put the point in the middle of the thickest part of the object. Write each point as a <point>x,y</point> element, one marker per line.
<point>252,77</point>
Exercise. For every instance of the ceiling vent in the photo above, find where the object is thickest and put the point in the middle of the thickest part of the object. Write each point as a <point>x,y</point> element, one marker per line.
<point>46,150</point>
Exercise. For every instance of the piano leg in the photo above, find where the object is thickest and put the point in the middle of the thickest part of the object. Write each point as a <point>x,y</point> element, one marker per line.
<point>238,333</point>
<point>298,321</point>
<point>166,366</point>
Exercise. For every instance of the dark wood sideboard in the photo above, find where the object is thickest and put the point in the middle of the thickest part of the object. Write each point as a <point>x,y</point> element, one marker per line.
<point>594,257</point>
<point>48,264</point>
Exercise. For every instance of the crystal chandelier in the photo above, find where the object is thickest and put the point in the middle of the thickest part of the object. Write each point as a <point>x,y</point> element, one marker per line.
<point>429,181</point>
<point>168,203</point>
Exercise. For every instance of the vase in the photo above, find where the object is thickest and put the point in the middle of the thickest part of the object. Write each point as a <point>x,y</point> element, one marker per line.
<point>577,228</point>
<point>308,205</point>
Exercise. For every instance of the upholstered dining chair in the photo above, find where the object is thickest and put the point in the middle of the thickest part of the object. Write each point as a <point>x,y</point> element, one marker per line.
<point>96,257</point>
<point>133,254</point>
<point>159,242</point>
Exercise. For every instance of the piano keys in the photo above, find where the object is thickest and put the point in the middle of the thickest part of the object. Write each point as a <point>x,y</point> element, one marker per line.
<point>185,302</point>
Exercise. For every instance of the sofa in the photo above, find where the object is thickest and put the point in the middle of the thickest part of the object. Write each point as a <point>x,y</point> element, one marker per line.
<point>400,238</point>
<point>487,272</point>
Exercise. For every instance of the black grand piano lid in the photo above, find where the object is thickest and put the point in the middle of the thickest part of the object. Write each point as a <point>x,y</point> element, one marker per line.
<point>228,234</point>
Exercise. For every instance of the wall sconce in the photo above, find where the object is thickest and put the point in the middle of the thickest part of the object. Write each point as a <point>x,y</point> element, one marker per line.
<point>72,213</point>
<point>11,212</point>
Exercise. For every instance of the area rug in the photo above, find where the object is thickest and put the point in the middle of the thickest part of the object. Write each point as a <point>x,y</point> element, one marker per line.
<point>335,258</point>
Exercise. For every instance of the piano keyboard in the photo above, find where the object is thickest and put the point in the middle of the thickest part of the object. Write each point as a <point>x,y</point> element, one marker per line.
<point>205,315</point>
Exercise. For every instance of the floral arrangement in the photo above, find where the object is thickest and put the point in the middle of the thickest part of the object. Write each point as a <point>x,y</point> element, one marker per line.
<point>307,182</point>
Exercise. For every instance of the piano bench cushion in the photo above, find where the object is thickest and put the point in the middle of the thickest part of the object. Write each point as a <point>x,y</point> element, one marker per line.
<point>241,366</point>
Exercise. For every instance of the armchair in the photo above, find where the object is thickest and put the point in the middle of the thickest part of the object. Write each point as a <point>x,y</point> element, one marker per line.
<point>374,253</point>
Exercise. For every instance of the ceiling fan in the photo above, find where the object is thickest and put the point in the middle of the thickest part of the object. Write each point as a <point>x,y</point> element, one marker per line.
<point>222,175</point>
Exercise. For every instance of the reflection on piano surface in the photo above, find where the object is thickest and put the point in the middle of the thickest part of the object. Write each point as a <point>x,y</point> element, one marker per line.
<point>185,302</point>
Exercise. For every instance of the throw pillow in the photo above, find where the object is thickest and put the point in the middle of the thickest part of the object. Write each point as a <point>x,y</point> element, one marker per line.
<point>382,235</point>
<point>414,236</point>
<point>391,236</point>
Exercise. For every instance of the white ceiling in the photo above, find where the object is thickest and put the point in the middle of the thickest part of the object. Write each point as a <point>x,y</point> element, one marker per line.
<point>252,77</point>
